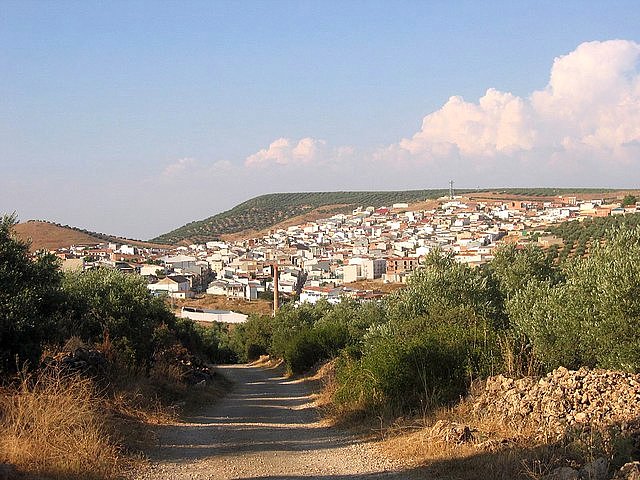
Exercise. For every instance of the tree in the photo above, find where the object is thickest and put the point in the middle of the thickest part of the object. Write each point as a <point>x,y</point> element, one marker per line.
<point>442,283</point>
<point>29,299</point>
<point>592,317</point>
<point>629,200</point>
<point>107,302</point>
<point>514,268</point>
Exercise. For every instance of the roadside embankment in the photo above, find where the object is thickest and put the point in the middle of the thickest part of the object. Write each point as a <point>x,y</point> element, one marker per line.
<point>582,424</point>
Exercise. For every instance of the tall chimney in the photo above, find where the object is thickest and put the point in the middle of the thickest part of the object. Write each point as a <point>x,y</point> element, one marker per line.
<point>275,289</point>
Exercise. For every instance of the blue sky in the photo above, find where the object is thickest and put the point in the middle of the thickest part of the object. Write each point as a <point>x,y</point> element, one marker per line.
<point>137,117</point>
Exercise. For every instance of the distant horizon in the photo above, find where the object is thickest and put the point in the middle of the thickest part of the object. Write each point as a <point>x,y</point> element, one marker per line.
<point>130,117</point>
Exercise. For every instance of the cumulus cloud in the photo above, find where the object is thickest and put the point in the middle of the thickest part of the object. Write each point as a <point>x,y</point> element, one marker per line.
<point>499,123</point>
<point>591,106</point>
<point>284,151</point>
<point>586,119</point>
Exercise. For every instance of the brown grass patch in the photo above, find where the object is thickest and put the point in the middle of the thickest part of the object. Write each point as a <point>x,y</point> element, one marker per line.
<point>61,426</point>
<point>48,236</point>
<point>456,443</point>
<point>53,425</point>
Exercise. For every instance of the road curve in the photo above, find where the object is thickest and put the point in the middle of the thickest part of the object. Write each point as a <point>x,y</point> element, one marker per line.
<point>266,428</point>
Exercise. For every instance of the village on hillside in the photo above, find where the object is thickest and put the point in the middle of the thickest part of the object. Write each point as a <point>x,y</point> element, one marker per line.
<point>325,258</point>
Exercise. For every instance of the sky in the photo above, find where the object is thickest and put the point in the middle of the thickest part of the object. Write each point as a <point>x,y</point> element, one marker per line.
<point>136,117</point>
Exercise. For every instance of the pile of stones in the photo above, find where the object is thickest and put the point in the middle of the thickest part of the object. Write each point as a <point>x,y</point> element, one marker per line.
<point>564,399</point>
<point>86,361</point>
<point>193,370</point>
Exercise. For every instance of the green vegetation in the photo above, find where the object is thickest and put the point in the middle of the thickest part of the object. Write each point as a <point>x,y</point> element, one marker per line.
<point>267,210</point>
<point>580,236</point>
<point>86,358</point>
<point>422,346</point>
<point>42,308</point>
<point>629,200</point>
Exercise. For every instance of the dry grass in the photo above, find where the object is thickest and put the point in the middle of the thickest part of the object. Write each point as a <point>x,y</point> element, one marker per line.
<point>462,444</point>
<point>53,425</point>
<point>50,237</point>
<point>62,426</point>
<point>437,442</point>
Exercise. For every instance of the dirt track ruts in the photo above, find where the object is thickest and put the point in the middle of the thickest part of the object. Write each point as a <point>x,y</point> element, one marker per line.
<point>266,428</point>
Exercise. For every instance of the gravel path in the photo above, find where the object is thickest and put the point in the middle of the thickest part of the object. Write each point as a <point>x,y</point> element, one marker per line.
<point>266,428</point>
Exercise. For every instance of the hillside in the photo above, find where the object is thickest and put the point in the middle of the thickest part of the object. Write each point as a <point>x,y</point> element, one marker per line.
<point>579,237</point>
<point>265,211</point>
<point>50,236</point>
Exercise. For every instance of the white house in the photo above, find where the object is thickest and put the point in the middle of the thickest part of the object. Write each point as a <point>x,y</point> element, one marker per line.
<point>128,250</point>
<point>175,286</point>
<point>180,261</point>
<point>313,294</point>
<point>147,269</point>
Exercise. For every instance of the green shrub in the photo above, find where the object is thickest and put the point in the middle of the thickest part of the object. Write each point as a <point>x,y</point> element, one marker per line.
<point>292,320</point>
<point>303,351</point>
<point>418,363</point>
<point>107,304</point>
<point>258,333</point>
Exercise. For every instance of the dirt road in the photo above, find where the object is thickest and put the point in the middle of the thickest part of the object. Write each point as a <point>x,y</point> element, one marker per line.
<point>267,428</point>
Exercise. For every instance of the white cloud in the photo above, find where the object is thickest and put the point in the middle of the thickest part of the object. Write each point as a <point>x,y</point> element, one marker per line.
<point>588,115</point>
<point>591,106</point>
<point>284,151</point>
<point>499,123</point>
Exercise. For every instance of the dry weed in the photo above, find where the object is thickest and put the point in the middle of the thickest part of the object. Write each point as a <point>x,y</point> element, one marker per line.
<point>53,425</point>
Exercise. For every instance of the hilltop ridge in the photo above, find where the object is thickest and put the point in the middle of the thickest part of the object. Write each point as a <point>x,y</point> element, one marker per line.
<point>265,211</point>
<point>47,235</point>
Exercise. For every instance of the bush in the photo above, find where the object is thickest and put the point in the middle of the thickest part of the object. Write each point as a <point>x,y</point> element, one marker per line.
<point>317,343</point>
<point>106,302</point>
<point>420,363</point>
<point>303,351</point>
<point>292,320</point>
<point>257,332</point>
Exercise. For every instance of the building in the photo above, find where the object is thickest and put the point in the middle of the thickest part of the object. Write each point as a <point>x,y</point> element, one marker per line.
<point>175,286</point>
<point>398,268</point>
<point>209,316</point>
